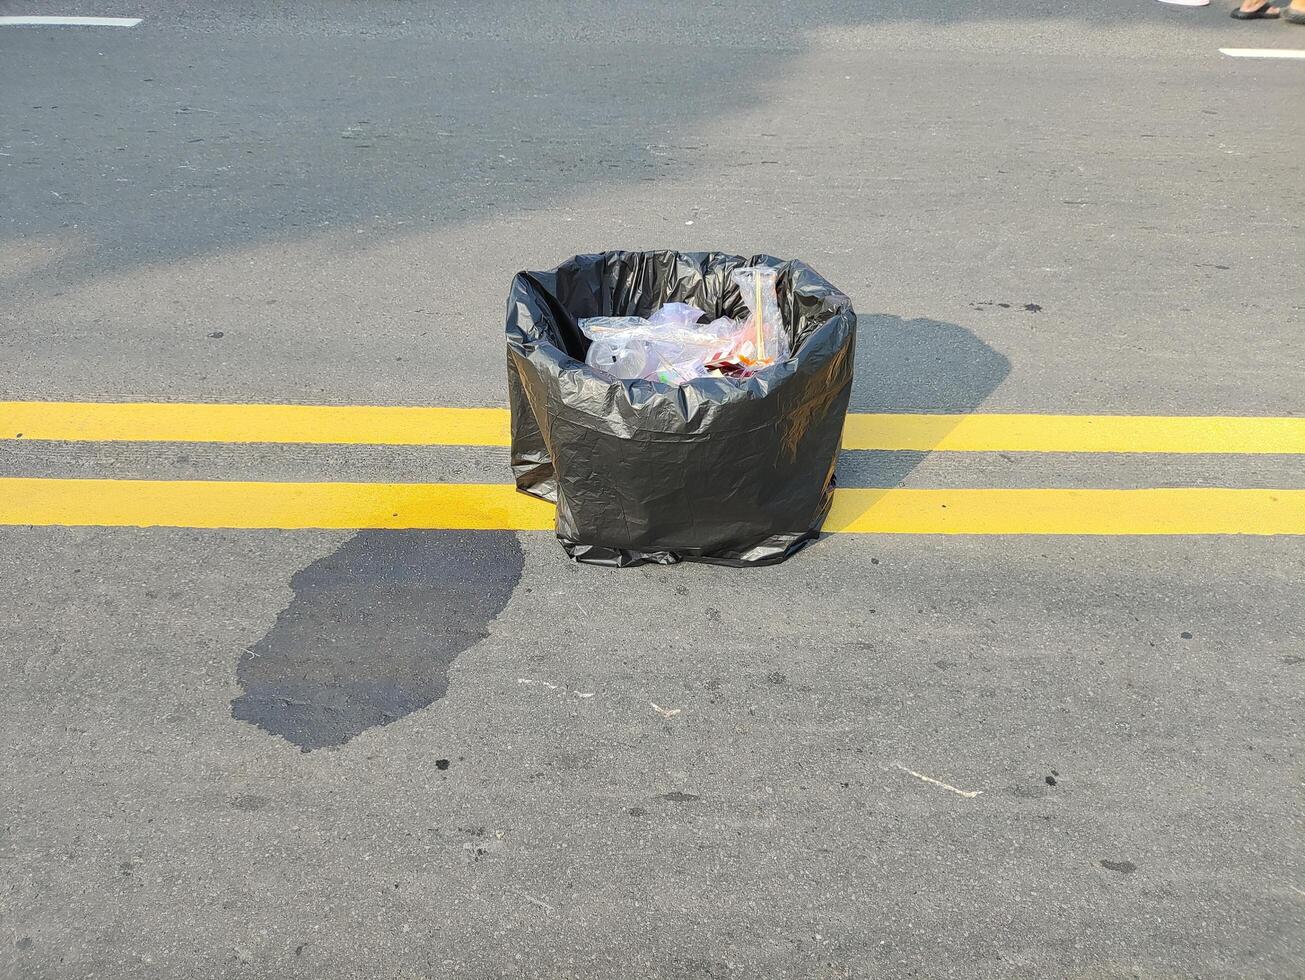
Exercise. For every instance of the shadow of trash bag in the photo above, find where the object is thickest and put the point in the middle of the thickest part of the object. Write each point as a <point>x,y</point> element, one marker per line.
<point>719,469</point>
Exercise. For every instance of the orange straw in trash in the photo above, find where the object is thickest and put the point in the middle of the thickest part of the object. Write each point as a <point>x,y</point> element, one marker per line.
<point>761,340</point>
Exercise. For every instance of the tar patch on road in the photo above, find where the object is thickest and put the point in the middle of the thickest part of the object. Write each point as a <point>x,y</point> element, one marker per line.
<point>1123,867</point>
<point>372,631</point>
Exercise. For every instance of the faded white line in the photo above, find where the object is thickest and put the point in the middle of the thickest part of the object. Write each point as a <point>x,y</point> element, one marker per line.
<point>969,794</point>
<point>1263,53</point>
<point>583,695</point>
<point>69,21</point>
<point>532,900</point>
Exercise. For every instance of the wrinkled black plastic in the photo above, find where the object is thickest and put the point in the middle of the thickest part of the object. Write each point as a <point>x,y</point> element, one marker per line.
<point>737,472</point>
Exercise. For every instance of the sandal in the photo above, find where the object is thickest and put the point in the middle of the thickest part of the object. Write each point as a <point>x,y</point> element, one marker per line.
<point>1293,15</point>
<point>1264,10</point>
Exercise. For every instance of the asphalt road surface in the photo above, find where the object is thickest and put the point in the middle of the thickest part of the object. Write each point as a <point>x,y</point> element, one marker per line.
<point>451,753</point>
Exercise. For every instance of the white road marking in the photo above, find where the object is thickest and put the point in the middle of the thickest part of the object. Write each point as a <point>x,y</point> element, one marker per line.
<point>969,794</point>
<point>69,21</point>
<point>532,900</point>
<point>1263,53</point>
<point>554,687</point>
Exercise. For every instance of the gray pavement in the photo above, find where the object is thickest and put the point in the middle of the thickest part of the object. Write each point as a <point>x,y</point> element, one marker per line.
<point>435,754</point>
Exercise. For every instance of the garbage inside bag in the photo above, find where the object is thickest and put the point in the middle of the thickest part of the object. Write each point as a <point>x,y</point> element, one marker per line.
<point>764,328</point>
<point>667,347</point>
<point>656,451</point>
<point>673,347</point>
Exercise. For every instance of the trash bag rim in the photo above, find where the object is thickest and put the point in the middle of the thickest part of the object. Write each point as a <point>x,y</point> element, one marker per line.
<point>833,300</point>
<point>833,296</point>
<point>762,384</point>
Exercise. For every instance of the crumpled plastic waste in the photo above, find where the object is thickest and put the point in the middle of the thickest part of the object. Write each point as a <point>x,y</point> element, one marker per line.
<point>674,347</point>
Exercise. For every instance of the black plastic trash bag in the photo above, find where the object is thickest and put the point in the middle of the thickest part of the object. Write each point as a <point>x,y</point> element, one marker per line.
<point>738,472</point>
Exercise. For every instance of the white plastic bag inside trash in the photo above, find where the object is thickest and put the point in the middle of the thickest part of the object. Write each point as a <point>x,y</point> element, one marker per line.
<point>673,347</point>
<point>669,346</point>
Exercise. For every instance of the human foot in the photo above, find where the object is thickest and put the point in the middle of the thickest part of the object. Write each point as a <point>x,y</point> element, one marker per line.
<point>1254,10</point>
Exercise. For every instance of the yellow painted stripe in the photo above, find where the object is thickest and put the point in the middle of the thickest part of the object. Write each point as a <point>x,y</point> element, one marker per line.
<point>1193,510</point>
<point>223,504</point>
<point>1076,433</point>
<point>192,422</point>
<point>200,504</point>
<point>417,426</point>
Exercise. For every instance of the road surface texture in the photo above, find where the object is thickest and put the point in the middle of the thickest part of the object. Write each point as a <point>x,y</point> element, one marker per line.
<point>451,753</point>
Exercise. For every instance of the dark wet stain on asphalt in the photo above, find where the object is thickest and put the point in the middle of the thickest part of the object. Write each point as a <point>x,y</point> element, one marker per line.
<point>1123,867</point>
<point>372,632</point>
<point>987,304</point>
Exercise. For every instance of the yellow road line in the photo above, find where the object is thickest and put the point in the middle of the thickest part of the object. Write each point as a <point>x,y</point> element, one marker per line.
<point>418,426</point>
<point>192,422</point>
<point>223,504</point>
<point>202,504</point>
<point>1195,510</point>
<point>987,433</point>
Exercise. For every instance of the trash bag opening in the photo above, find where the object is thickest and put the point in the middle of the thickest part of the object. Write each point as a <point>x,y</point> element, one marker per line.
<point>625,284</point>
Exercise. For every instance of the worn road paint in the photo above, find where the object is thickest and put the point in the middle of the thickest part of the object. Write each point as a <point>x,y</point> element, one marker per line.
<point>969,794</point>
<point>372,631</point>
<point>415,426</point>
<point>69,21</point>
<point>1288,53</point>
<point>497,506</point>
